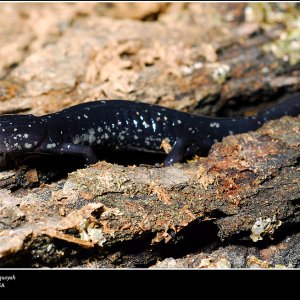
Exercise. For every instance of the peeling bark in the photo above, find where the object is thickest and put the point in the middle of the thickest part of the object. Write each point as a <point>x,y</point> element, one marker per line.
<point>245,179</point>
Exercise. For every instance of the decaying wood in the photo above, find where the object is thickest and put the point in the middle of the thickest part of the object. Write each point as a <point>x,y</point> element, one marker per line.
<point>246,192</point>
<point>248,180</point>
<point>283,255</point>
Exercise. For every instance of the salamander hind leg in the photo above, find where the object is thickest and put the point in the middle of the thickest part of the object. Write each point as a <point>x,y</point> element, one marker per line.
<point>181,148</point>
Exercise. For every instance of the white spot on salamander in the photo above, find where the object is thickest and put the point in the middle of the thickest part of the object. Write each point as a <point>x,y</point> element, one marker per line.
<point>179,121</point>
<point>15,129</point>
<point>153,125</point>
<point>76,140</point>
<point>215,124</point>
<point>119,123</point>
<point>91,136</point>
<point>26,135</point>
<point>85,116</point>
<point>146,125</point>
<point>28,146</point>
<point>50,146</point>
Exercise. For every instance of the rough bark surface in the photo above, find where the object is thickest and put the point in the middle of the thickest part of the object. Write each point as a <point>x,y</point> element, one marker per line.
<point>238,207</point>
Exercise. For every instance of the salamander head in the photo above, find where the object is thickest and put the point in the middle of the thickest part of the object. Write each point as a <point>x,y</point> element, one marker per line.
<point>20,133</point>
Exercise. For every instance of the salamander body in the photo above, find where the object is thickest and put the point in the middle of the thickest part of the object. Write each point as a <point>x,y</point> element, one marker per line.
<point>125,125</point>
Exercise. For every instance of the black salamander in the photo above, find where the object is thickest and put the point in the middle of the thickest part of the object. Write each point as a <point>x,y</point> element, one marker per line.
<point>125,125</point>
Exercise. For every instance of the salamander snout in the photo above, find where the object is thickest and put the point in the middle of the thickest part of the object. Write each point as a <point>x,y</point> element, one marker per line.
<point>20,134</point>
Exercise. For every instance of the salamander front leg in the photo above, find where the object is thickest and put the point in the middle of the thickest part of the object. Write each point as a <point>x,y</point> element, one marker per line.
<point>81,150</point>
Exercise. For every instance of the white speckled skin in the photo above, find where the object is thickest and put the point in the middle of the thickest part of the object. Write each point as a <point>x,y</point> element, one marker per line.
<point>126,125</point>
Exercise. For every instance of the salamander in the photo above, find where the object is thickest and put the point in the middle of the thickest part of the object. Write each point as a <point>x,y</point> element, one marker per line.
<point>120,125</point>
